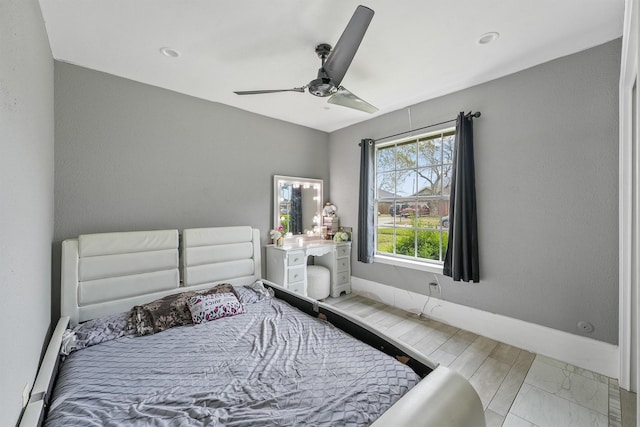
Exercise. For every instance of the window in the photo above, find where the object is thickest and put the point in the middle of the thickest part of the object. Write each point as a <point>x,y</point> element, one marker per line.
<point>413,182</point>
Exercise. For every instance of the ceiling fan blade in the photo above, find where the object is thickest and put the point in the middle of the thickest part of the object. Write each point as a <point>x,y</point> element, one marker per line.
<point>347,99</point>
<point>258,92</point>
<point>342,54</point>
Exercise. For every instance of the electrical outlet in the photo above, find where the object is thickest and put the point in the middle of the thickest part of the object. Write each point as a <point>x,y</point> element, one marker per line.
<point>25,394</point>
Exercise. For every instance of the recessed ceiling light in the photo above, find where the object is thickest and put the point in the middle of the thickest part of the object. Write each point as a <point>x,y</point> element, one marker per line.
<point>171,53</point>
<point>487,38</point>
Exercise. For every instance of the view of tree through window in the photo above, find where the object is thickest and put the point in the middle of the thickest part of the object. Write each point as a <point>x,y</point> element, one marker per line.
<point>413,178</point>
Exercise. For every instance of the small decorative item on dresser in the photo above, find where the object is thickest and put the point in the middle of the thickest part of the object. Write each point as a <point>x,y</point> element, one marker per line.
<point>277,236</point>
<point>341,236</point>
<point>330,221</point>
<point>329,209</point>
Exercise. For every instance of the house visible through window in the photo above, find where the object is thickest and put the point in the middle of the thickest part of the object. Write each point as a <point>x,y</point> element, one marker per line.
<point>413,182</point>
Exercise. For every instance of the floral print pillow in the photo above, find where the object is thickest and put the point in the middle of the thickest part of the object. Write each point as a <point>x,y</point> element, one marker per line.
<point>205,308</point>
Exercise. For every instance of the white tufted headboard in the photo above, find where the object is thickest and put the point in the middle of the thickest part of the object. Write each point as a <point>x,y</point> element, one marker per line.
<point>109,273</point>
<point>220,254</point>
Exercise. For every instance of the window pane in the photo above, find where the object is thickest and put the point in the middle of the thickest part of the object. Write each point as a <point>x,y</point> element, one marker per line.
<point>406,183</point>
<point>406,155</point>
<point>398,208</point>
<point>447,171</point>
<point>432,218</point>
<point>439,215</point>
<point>447,148</point>
<point>385,158</point>
<point>386,185</point>
<point>385,239</point>
<point>429,151</point>
<point>429,181</point>
<point>429,245</point>
<point>405,242</point>
<point>383,209</point>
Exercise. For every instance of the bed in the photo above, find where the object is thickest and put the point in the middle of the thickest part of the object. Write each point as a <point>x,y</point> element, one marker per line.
<point>278,359</point>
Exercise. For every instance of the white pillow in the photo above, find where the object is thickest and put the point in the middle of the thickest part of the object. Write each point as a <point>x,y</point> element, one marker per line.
<point>205,308</point>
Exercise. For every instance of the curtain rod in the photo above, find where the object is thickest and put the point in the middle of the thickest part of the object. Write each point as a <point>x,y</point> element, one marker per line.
<point>468,115</point>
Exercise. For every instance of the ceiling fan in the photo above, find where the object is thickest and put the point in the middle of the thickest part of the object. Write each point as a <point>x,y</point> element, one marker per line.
<point>335,63</point>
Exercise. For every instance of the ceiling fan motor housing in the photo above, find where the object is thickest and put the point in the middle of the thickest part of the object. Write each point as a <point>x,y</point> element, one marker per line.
<point>322,86</point>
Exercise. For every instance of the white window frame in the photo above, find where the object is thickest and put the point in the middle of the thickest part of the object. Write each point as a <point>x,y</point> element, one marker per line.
<point>433,266</point>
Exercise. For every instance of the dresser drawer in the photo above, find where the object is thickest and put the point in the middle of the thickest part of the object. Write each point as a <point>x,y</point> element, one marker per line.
<point>342,264</point>
<point>343,251</point>
<point>295,258</point>
<point>296,287</point>
<point>295,274</point>
<point>343,278</point>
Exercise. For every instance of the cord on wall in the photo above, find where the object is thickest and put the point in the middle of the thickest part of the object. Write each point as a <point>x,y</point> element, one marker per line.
<point>432,285</point>
<point>422,315</point>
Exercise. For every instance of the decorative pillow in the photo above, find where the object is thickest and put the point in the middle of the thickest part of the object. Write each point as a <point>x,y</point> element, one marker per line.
<point>169,311</point>
<point>205,308</point>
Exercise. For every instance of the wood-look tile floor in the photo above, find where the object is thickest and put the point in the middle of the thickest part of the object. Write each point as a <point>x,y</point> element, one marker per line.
<point>517,388</point>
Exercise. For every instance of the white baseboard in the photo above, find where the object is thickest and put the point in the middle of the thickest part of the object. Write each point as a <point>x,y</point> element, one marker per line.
<point>577,350</point>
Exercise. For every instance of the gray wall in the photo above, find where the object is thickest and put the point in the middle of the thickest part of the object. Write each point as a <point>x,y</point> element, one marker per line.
<point>547,187</point>
<point>26,198</point>
<point>130,156</point>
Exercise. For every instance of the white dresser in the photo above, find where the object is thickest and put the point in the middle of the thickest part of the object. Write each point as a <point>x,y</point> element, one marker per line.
<point>287,265</point>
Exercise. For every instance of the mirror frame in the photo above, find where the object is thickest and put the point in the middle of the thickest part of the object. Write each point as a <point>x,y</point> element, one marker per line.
<point>282,179</point>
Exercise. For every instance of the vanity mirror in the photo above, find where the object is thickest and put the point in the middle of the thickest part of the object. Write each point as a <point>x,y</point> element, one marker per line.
<point>297,204</point>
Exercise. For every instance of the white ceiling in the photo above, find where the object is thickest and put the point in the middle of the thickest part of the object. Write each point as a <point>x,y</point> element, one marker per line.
<point>414,50</point>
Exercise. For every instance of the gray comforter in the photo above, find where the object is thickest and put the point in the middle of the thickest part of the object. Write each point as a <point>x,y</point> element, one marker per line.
<point>271,366</point>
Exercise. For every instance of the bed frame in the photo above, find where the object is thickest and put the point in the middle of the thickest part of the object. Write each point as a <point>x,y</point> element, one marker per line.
<point>109,273</point>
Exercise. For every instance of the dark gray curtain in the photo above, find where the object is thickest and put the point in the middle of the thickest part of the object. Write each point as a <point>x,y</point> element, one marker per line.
<point>366,218</point>
<point>461,260</point>
<point>295,221</point>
